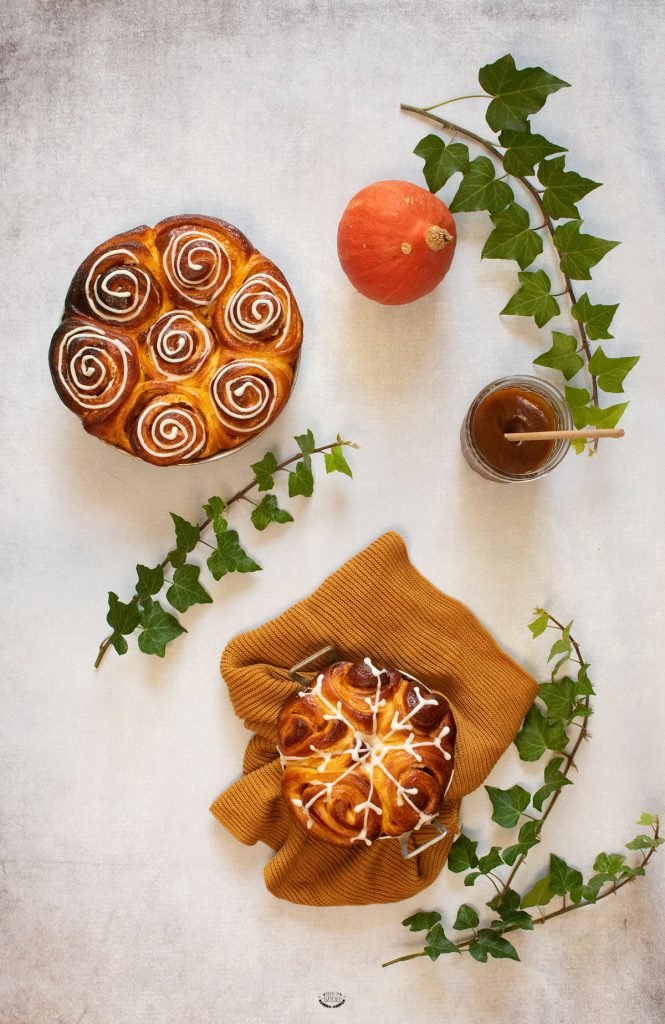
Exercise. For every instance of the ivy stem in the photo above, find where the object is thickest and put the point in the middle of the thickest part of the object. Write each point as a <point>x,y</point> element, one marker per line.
<point>106,642</point>
<point>567,908</point>
<point>547,220</point>
<point>470,96</point>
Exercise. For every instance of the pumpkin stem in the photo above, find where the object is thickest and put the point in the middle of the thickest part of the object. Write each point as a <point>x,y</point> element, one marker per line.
<point>437,238</point>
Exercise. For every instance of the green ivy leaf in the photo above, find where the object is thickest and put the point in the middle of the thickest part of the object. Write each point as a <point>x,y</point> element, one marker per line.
<point>510,899</point>
<point>306,442</point>
<point>647,819</point>
<point>490,861</point>
<point>480,189</point>
<point>578,253</point>
<point>611,372</point>
<point>335,461</point>
<point>609,864</point>
<point>177,558</point>
<point>578,399</point>
<point>584,686</point>
<point>214,509</point>
<point>186,590</point>
<point>559,698</point>
<point>159,629</point>
<point>186,534</point>
<point>513,238</point>
<point>562,356</point>
<point>495,945</point>
<point>528,837</point>
<point>462,854</point>
<point>441,160</point>
<point>466,918</point>
<point>562,188</point>
<point>644,843</point>
<point>607,417</point>
<point>437,943</point>
<point>121,617</point>
<point>268,511</point>
<point>563,879</point>
<point>514,919</point>
<point>150,581</point>
<point>539,624</point>
<point>471,877</point>
<point>533,298</point>
<point>301,481</point>
<point>596,318</point>
<point>539,895</point>
<point>229,556</point>
<point>554,779</point>
<point>517,92</point>
<point>629,872</point>
<point>263,471</point>
<point>508,804</point>
<point>422,921</point>
<point>478,952</point>
<point>538,735</point>
<point>118,641</point>
<point>524,151</point>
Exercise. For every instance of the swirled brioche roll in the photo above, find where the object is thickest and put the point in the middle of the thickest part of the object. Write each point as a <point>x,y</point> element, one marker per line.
<point>367,753</point>
<point>144,355</point>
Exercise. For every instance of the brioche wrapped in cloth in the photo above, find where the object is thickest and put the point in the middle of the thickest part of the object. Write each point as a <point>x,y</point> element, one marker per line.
<point>376,605</point>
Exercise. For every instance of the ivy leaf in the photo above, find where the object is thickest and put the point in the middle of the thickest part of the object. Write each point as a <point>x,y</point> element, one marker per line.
<point>607,417</point>
<point>186,590</point>
<point>159,629</point>
<point>422,921</point>
<point>559,697</point>
<point>177,558</point>
<point>563,188</point>
<point>441,160</point>
<point>596,318</point>
<point>524,151</point>
<point>510,899</point>
<point>562,877</point>
<point>214,509</point>
<point>480,189</point>
<point>579,252</point>
<point>611,372</point>
<point>517,93</point>
<point>119,643</point>
<point>528,837</point>
<point>645,843</point>
<point>629,872</point>
<point>508,804</point>
<point>263,471</point>
<point>437,943</point>
<point>539,895</point>
<point>538,735</point>
<point>554,779</point>
<point>466,918</point>
<point>490,861</point>
<point>335,461</point>
<point>462,854</point>
<point>306,442</point>
<point>578,399</point>
<point>647,819</point>
<point>584,686</point>
<point>229,556</point>
<point>268,511</point>
<point>592,888</point>
<point>471,877</point>
<point>478,952</point>
<point>150,581</point>
<point>513,238</point>
<point>539,625</point>
<point>563,355</point>
<point>533,298</point>
<point>514,918</point>
<point>609,864</point>
<point>301,481</point>
<point>495,945</point>
<point>186,534</point>
<point>121,617</point>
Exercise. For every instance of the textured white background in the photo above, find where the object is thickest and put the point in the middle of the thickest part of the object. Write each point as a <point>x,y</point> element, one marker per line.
<point>123,902</point>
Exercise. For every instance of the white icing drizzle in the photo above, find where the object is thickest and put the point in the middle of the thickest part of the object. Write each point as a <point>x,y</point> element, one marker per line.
<point>167,435</point>
<point>98,289</point>
<point>227,388</point>
<point>186,270</point>
<point>376,750</point>
<point>81,372</point>
<point>251,313</point>
<point>173,339</point>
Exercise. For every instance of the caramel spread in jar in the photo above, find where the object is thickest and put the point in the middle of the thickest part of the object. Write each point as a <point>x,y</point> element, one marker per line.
<point>509,410</point>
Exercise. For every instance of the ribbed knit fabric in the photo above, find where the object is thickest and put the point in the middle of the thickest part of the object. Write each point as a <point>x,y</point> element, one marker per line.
<point>375,605</point>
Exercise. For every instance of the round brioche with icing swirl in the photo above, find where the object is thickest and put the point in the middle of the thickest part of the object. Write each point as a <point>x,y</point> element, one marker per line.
<point>367,753</point>
<point>177,342</point>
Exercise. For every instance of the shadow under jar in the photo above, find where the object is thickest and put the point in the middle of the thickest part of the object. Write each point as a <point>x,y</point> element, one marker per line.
<point>511,405</point>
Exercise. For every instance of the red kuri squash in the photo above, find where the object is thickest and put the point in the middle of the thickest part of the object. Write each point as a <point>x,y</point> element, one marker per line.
<point>395,241</point>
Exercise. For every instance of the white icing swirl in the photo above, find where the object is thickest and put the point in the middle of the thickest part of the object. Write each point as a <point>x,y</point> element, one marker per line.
<point>120,292</point>
<point>179,343</point>
<point>197,266</point>
<point>93,367</point>
<point>244,391</point>
<point>259,310</point>
<point>170,431</point>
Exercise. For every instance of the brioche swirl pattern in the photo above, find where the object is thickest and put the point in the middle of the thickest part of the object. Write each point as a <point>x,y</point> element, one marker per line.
<point>367,754</point>
<point>177,342</point>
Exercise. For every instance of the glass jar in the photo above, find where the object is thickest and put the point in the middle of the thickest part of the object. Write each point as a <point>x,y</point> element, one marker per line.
<point>548,401</point>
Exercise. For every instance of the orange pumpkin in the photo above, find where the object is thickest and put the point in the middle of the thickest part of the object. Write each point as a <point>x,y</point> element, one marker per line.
<point>395,241</point>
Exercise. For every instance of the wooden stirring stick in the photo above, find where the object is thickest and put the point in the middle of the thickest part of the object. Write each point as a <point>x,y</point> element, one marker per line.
<point>563,435</point>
